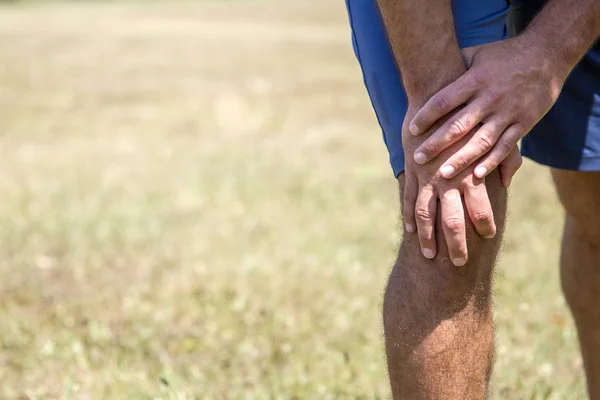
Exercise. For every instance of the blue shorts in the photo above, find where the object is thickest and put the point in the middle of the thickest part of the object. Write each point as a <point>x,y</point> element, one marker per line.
<point>568,137</point>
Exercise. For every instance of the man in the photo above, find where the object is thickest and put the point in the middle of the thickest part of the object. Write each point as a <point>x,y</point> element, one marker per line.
<point>451,124</point>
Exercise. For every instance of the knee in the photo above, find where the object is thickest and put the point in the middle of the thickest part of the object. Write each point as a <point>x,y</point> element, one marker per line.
<point>579,193</point>
<point>424,297</point>
<point>579,266</point>
<point>581,221</point>
<point>580,290</point>
<point>420,286</point>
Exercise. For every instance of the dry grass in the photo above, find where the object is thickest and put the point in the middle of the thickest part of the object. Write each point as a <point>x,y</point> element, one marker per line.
<point>196,203</point>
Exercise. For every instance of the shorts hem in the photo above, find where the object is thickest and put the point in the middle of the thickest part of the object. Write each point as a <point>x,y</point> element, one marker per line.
<point>586,164</point>
<point>397,164</point>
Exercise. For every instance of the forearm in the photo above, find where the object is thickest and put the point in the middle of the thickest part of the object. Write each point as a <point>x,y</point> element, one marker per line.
<point>567,28</point>
<point>422,36</point>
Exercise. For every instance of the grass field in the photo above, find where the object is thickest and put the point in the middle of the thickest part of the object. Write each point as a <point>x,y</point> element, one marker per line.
<point>196,203</point>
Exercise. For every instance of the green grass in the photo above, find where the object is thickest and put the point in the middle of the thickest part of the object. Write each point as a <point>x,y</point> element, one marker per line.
<point>196,203</point>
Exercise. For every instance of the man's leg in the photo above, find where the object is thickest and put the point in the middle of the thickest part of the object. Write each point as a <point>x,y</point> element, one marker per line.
<point>438,318</point>
<point>580,263</point>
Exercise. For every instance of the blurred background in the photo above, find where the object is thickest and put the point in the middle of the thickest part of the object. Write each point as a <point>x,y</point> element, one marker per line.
<point>197,203</point>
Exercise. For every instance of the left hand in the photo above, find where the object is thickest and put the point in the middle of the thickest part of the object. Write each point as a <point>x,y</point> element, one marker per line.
<point>428,197</point>
<point>509,87</point>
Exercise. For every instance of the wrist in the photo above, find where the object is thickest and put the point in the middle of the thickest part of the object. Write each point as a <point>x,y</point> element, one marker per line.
<point>544,56</point>
<point>430,67</point>
<point>421,87</point>
<point>551,55</point>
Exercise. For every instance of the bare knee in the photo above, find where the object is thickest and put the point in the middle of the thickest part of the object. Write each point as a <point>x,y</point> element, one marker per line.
<point>580,272</point>
<point>437,317</point>
<point>437,286</point>
<point>580,269</point>
<point>432,310</point>
<point>579,193</point>
<point>438,283</point>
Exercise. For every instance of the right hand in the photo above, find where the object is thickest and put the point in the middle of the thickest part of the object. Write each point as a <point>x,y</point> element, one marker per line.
<point>509,86</point>
<point>425,186</point>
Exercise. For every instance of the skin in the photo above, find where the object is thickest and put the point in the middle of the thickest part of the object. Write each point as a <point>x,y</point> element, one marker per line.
<point>509,87</point>
<point>437,316</point>
<point>439,333</point>
<point>424,44</point>
<point>580,263</point>
<point>426,189</point>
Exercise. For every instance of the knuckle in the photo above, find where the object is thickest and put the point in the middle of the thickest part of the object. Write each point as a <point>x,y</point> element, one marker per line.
<point>440,103</point>
<point>430,147</point>
<point>454,225</point>
<point>505,146</point>
<point>482,217</point>
<point>485,142</point>
<point>517,110</point>
<point>519,131</point>
<point>423,214</point>
<point>479,77</point>
<point>519,161</point>
<point>457,129</point>
<point>409,195</point>
<point>493,97</point>
<point>526,114</point>
<point>514,163</point>
<point>510,169</point>
<point>461,161</point>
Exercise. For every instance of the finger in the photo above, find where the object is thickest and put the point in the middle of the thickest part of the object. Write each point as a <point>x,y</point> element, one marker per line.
<point>510,166</point>
<point>425,213</point>
<point>411,187</point>
<point>453,224</point>
<point>446,100</point>
<point>480,144</point>
<point>451,132</point>
<point>479,208</point>
<point>468,54</point>
<point>505,145</point>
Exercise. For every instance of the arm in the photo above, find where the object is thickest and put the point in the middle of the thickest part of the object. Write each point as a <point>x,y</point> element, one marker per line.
<point>566,28</point>
<point>509,87</point>
<point>424,44</point>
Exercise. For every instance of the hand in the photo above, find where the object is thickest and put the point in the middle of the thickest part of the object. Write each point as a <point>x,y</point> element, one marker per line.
<point>424,186</point>
<point>509,87</point>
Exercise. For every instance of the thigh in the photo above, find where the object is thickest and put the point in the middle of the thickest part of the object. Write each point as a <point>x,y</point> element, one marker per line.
<point>476,22</point>
<point>579,193</point>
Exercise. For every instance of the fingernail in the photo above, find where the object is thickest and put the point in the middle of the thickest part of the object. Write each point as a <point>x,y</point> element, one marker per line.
<point>428,253</point>
<point>420,158</point>
<point>413,129</point>
<point>493,235</point>
<point>459,262</point>
<point>410,228</point>
<point>508,182</point>
<point>447,171</point>
<point>480,172</point>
